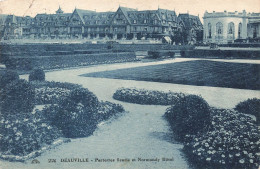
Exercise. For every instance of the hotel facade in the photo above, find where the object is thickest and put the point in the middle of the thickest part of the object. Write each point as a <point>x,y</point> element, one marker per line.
<point>125,23</point>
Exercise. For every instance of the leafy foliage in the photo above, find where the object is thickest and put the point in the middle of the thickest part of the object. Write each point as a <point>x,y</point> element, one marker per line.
<point>250,106</point>
<point>17,97</point>
<point>22,134</point>
<point>37,74</point>
<point>75,114</point>
<point>188,115</point>
<point>7,77</point>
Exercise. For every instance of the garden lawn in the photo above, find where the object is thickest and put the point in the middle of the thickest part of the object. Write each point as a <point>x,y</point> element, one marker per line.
<point>198,72</point>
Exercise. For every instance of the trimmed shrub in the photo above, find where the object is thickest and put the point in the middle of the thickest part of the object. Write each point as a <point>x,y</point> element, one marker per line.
<point>7,77</point>
<point>232,141</point>
<point>250,106</point>
<point>37,74</point>
<point>188,115</point>
<point>17,97</point>
<point>75,114</point>
<point>22,134</point>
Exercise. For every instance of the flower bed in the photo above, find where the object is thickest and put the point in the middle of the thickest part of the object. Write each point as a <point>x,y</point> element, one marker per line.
<point>233,141</point>
<point>46,95</point>
<point>107,109</point>
<point>149,97</point>
<point>51,92</point>
<point>21,135</point>
<point>52,84</point>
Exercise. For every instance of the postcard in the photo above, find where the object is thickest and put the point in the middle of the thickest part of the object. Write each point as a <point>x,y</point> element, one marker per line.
<point>154,84</point>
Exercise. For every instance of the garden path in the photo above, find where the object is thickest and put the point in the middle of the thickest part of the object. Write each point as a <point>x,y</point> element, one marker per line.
<point>142,132</point>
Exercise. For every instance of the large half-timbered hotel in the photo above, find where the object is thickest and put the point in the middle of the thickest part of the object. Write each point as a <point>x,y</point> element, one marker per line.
<point>125,23</point>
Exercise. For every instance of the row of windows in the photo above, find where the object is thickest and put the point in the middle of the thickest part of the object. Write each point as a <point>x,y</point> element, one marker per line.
<point>219,28</point>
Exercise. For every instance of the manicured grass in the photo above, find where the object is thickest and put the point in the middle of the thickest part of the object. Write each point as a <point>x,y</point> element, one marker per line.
<point>201,73</point>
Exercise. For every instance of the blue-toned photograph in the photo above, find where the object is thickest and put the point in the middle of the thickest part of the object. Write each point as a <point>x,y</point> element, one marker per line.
<point>117,84</point>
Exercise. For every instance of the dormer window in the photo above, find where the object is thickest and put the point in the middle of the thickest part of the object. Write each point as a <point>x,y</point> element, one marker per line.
<point>145,21</point>
<point>134,21</point>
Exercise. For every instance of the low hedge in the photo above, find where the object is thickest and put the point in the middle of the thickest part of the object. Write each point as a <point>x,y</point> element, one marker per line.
<point>161,54</point>
<point>250,106</point>
<point>149,97</point>
<point>41,48</point>
<point>61,61</point>
<point>232,141</point>
<point>207,53</point>
<point>151,47</point>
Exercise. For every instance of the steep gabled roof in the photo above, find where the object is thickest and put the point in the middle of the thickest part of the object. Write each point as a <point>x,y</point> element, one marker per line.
<point>2,18</point>
<point>98,18</point>
<point>140,16</point>
<point>190,21</point>
<point>124,11</point>
<point>82,12</point>
<point>10,19</point>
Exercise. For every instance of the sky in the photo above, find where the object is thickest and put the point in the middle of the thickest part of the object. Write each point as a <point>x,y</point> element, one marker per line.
<point>194,7</point>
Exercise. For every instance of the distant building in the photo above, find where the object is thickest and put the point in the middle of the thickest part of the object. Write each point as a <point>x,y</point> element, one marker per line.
<point>253,26</point>
<point>191,28</point>
<point>226,27</point>
<point>125,23</point>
